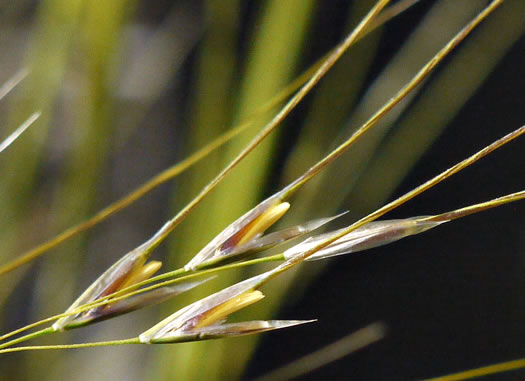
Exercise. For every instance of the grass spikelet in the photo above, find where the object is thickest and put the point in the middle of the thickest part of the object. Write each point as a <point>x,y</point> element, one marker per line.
<point>202,320</point>
<point>126,273</point>
<point>379,233</point>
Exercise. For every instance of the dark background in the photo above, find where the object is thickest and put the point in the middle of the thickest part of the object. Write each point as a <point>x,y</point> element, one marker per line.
<point>452,298</point>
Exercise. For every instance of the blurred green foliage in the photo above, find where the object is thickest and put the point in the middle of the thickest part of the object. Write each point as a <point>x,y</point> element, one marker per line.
<point>103,131</point>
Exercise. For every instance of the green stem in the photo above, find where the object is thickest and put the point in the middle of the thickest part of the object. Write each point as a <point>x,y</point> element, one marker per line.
<point>134,340</point>
<point>34,335</point>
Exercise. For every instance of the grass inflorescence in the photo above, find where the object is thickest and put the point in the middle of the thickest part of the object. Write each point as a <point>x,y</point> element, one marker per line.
<point>130,284</point>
